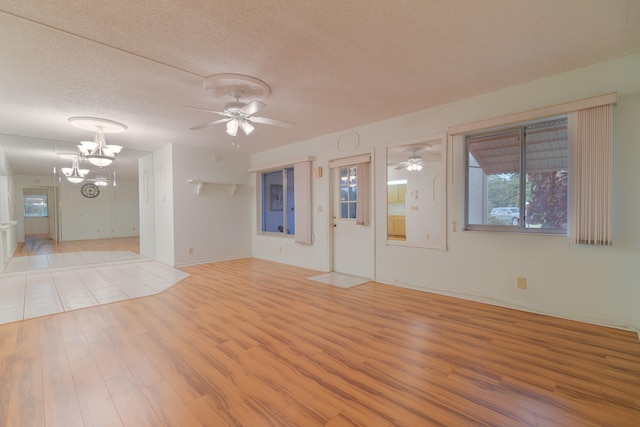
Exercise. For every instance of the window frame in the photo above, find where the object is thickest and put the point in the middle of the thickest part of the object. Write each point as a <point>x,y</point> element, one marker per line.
<point>575,110</point>
<point>521,228</point>
<point>349,202</point>
<point>44,197</point>
<point>264,201</point>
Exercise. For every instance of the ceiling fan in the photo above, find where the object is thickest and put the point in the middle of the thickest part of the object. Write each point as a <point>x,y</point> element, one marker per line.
<point>414,163</point>
<point>238,114</point>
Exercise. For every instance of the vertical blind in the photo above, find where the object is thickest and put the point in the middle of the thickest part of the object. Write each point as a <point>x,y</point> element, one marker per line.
<point>302,197</point>
<point>591,136</point>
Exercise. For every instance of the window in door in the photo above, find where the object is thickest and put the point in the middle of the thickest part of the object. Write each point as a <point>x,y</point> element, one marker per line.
<point>348,192</point>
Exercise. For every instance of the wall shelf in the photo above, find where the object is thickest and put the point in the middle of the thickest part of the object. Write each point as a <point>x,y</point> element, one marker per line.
<point>200,184</point>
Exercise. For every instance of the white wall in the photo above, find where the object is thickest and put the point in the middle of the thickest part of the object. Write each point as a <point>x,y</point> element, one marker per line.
<point>215,224</point>
<point>146,201</point>
<point>37,225</point>
<point>114,213</point>
<point>163,204</point>
<point>587,283</point>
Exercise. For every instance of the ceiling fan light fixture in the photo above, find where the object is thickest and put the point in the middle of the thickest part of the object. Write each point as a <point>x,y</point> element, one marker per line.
<point>247,127</point>
<point>414,167</point>
<point>232,127</point>
<point>237,113</point>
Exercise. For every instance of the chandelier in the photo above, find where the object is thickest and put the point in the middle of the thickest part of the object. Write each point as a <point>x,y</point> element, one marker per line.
<point>97,152</point>
<point>74,174</point>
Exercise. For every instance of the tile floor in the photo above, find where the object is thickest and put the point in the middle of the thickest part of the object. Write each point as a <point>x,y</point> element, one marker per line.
<point>68,259</point>
<point>40,291</point>
<point>339,279</point>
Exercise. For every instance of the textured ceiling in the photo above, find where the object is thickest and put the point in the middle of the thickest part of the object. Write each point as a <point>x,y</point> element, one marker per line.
<point>331,64</point>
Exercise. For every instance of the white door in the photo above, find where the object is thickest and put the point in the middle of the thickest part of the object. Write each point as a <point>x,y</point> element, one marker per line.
<point>352,244</point>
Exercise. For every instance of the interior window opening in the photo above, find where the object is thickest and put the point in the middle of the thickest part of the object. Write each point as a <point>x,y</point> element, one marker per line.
<point>278,202</point>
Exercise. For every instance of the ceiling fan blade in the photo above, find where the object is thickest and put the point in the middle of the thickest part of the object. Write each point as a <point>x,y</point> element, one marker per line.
<point>401,166</point>
<point>222,113</point>
<point>272,122</point>
<point>252,107</point>
<point>432,156</point>
<point>215,122</point>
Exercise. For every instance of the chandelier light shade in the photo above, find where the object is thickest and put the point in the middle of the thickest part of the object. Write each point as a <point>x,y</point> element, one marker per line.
<point>97,152</point>
<point>74,174</point>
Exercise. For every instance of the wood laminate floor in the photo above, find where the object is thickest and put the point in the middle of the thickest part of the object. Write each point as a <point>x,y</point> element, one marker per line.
<point>42,245</point>
<point>254,343</point>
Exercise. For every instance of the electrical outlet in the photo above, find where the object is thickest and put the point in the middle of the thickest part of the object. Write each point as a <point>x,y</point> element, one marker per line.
<point>522,283</point>
<point>280,248</point>
<point>190,251</point>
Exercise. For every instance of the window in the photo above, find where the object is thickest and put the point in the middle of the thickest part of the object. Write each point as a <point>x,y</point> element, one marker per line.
<point>517,178</point>
<point>284,199</point>
<point>278,201</point>
<point>348,192</point>
<point>35,205</point>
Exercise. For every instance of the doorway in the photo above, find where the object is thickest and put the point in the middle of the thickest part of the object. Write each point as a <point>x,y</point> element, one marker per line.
<point>353,231</point>
<point>39,212</point>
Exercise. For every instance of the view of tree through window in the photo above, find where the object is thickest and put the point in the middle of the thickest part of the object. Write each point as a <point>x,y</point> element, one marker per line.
<point>501,191</point>
<point>35,205</point>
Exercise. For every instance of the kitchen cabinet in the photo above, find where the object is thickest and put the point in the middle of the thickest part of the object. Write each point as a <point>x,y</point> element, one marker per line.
<point>396,193</point>
<point>396,225</point>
